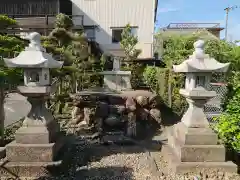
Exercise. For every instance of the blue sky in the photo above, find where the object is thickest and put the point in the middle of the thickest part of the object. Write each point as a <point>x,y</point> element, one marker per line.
<point>200,11</point>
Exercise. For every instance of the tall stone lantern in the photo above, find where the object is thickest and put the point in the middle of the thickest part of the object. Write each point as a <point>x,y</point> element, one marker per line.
<point>192,143</point>
<point>36,141</point>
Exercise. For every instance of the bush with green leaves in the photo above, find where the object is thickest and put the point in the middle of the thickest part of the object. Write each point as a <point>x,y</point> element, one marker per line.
<point>228,129</point>
<point>228,124</point>
<point>150,77</point>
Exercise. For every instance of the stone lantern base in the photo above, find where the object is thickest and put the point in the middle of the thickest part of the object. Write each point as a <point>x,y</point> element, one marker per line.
<point>36,144</point>
<point>194,150</point>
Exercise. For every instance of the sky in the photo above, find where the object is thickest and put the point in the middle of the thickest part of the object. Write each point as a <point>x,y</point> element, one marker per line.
<point>200,11</point>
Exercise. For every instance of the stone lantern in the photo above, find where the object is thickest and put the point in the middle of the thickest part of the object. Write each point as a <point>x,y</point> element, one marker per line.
<point>198,70</point>
<point>192,143</point>
<point>37,141</point>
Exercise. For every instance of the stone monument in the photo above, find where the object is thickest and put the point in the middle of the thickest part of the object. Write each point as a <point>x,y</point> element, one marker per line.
<point>192,145</point>
<point>116,79</point>
<point>38,140</point>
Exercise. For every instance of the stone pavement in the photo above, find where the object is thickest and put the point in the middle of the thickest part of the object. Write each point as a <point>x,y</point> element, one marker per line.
<point>16,107</point>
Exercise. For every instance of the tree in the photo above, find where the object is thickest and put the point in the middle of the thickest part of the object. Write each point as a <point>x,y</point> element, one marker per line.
<point>76,52</point>
<point>128,44</point>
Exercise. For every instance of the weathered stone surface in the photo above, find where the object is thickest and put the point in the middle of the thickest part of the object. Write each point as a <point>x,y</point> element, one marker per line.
<point>190,136</point>
<point>136,93</point>
<point>156,115</point>
<point>32,152</point>
<point>117,80</point>
<point>131,104</point>
<point>27,169</point>
<point>189,154</point>
<point>31,135</point>
<point>117,109</point>
<point>178,167</point>
<point>142,101</point>
<point>202,153</point>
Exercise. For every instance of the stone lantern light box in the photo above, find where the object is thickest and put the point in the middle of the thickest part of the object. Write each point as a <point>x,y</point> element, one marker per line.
<point>199,67</point>
<point>35,62</point>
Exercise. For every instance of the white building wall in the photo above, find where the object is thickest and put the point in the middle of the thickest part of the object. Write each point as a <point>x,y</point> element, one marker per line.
<point>117,13</point>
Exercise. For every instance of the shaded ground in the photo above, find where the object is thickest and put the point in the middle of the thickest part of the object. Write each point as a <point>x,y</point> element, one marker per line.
<point>113,162</point>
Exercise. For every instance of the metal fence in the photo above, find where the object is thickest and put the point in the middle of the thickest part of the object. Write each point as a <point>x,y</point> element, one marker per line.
<point>168,86</point>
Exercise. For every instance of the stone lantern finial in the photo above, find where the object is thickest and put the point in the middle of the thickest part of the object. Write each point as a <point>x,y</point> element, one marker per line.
<point>35,42</point>
<point>199,49</point>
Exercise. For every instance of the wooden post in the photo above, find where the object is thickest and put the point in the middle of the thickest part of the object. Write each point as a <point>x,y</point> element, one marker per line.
<point>46,25</point>
<point>2,115</point>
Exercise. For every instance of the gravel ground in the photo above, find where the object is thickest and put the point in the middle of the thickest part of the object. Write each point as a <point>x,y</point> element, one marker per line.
<point>112,163</point>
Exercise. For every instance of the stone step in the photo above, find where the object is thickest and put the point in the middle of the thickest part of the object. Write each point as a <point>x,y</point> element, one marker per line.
<point>197,153</point>
<point>175,165</point>
<point>16,152</point>
<point>24,170</point>
<point>202,153</point>
<point>194,136</point>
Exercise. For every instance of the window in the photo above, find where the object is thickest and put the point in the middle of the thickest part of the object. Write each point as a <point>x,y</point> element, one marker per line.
<point>117,34</point>
<point>90,33</point>
<point>200,81</point>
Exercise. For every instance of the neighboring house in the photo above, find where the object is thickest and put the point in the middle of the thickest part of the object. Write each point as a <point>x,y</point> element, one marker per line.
<point>102,20</point>
<point>205,31</point>
<point>110,17</point>
<point>186,28</point>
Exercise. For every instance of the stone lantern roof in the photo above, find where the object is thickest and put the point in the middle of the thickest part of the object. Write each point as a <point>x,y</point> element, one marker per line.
<point>200,62</point>
<point>34,56</point>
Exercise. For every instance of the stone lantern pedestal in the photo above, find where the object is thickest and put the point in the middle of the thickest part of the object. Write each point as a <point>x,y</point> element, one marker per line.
<point>37,142</point>
<point>192,145</point>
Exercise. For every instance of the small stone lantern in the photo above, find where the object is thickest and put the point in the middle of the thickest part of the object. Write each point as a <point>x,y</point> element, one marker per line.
<point>39,132</point>
<point>192,145</point>
<point>198,70</point>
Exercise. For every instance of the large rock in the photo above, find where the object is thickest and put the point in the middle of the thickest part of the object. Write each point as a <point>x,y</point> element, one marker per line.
<point>142,101</point>
<point>156,115</point>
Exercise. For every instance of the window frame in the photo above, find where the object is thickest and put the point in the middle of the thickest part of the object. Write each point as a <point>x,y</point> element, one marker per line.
<point>135,32</point>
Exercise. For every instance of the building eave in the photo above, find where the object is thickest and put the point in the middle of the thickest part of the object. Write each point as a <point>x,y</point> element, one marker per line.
<point>155,15</point>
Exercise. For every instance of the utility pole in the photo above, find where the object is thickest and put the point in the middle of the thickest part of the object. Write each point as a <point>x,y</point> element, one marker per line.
<point>228,9</point>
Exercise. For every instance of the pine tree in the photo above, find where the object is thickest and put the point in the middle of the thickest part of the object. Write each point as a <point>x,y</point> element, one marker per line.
<point>73,48</point>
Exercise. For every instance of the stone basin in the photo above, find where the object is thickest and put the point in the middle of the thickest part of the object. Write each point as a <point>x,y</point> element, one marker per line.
<point>117,80</point>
